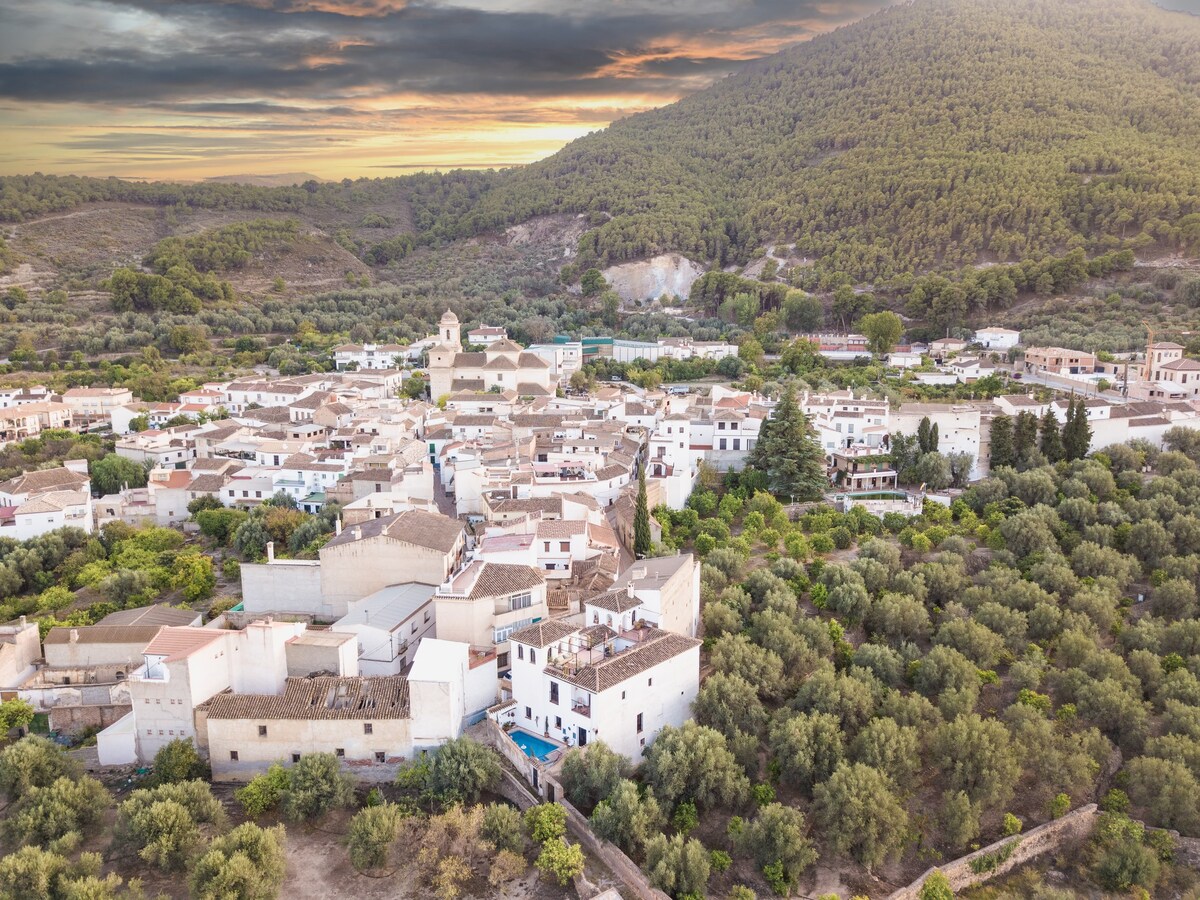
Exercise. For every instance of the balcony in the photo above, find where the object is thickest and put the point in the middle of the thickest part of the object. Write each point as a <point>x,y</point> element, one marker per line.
<point>581,709</point>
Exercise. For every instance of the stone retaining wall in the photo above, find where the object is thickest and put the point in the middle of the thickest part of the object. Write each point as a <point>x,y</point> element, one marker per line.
<point>1074,826</point>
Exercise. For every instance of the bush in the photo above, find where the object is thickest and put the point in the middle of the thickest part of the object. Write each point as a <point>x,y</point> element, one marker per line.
<point>248,863</point>
<point>372,832</point>
<point>560,861</point>
<point>545,822</point>
<point>317,785</point>
<point>461,770</point>
<point>502,827</point>
<point>33,761</point>
<point>178,761</point>
<point>67,805</point>
<point>263,792</point>
<point>165,823</point>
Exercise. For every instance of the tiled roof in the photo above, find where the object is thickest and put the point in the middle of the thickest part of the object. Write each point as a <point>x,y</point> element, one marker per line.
<point>424,529</point>
<point>557,529</point>
<point>180,643</point>
<point>657,647</point>
<point>157,615</point>
<point>103,634</point>
<point>498,579</point>
<point>43,480</point>
<point>544,633</point>
<point>614,601</point>
<point>322,697</point>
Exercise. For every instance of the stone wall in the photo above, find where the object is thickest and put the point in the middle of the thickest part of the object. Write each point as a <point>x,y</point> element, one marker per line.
<point>1074,826</point>
<point>547,787</point>
<point>71,720</point>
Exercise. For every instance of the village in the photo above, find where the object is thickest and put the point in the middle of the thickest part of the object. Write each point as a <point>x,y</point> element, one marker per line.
<point>483,563</point>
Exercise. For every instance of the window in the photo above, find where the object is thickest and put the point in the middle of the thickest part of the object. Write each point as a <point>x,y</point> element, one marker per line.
<point>650,682</point>
<point>554,692</point>
<point>339,752</point>
<point>639,723</point>
<point>564,546</point>
<point>737,443</point>
<point>533,656</point>
<point>721,445</point>
<point>368,728</point>
<point>380,756</point>
<point>622,695</point>
<point>558,721</point>
<point>520,652</point>
<point>426,615</point>
<point>233,756</point>
<point>521,601</point>
<point>414,628</point>
<point>528,713</point>
<point>262,730</point>
<point>546,544</point>
<point>295,757</point>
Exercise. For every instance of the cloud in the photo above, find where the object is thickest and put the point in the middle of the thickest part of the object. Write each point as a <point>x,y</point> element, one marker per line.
<point>372,68</point>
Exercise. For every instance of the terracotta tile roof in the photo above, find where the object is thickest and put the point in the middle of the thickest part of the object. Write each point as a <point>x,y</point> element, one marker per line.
<point>557,529</point>
<point>43,480</point>
<point>176,643</point>
<point>322,697</point>
<point>544,633</point>
<point>157,615</point>
<point>618,601</point>
<point>656,648</point>
<point>544,505</point>
<point>103,634</point>
<point>423,529</point>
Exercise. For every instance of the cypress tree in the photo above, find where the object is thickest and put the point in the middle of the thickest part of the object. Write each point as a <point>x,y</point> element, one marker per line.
<point>1051,442</point>
<point>642,541</point>
<point>1077,433</point>
<point>923,435</point>
<point>1024,434</point>
<point>788,454</point>
<point>933,438</point>
<point>1002,453</point>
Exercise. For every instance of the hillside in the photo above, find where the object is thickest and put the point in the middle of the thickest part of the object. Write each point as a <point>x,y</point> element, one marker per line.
<point>941,133</point>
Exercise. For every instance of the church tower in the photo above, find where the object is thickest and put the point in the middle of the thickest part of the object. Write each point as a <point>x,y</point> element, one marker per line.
<point>441,356</point>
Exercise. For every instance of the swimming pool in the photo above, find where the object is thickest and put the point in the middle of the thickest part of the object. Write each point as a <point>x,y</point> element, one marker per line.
<point>531,744</point>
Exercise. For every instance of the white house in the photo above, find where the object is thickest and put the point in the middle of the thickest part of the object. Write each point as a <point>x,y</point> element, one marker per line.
<point>575,684</point>
<point>389,624</point>
<point>486,602</point>
<point>996,338</point>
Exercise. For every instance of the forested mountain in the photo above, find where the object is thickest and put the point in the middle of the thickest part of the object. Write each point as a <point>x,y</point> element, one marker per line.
<point>943,132</point>
<point>932,135</point>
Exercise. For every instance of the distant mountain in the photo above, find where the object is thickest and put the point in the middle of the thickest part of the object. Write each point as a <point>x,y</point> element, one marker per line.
<point>939,133</point>
<point>286,179</point>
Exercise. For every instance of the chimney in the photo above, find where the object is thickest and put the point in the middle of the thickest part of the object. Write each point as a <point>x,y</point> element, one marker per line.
<point>337,526</point>
<point>22,622</point>
<point>74,635</point>
<point>356,533</point>
<point>270,551</point>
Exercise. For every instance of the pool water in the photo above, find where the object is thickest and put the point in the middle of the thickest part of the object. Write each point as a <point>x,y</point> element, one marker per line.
<point>531,744</point>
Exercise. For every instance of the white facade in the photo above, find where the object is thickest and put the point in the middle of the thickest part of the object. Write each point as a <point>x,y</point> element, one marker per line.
<point>997,338</point>
<point>577,686</point>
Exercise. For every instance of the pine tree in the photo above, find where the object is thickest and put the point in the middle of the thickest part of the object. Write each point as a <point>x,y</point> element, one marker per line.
<point>1077,433</point>
<point>1051,443</point>
<point>641,519</point>
<point>788,454</point>
<point>1002,453</point>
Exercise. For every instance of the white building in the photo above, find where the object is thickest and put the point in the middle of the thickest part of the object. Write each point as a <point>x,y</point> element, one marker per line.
<point>576,685</point>
<point>371,724</point>
<point>368,356</point>
<point>996,338</point>
<point>388,625</point>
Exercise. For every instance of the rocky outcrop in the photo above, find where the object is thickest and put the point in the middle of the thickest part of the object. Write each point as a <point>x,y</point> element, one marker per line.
<point>649,279</point>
